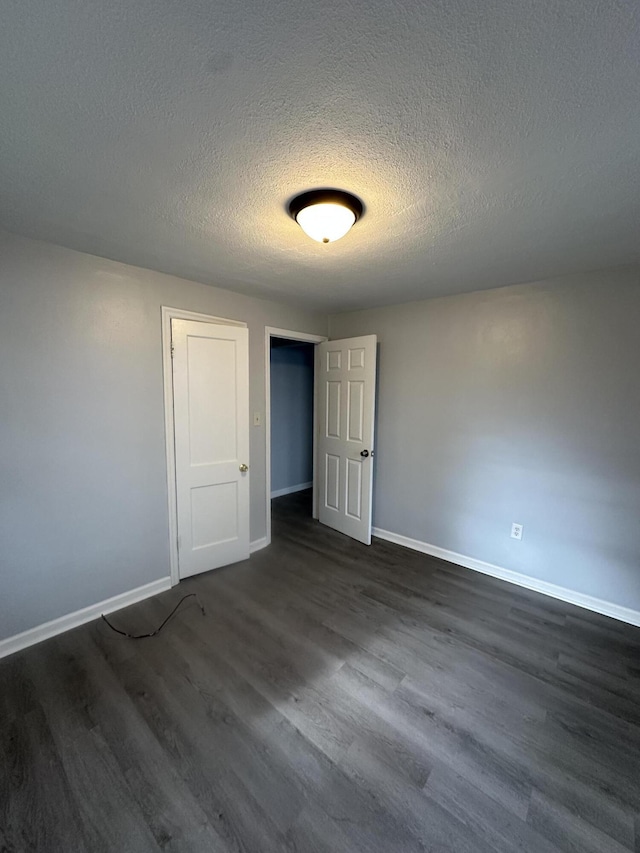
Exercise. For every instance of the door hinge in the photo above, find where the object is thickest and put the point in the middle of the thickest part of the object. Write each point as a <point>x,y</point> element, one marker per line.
<point>172,350</point>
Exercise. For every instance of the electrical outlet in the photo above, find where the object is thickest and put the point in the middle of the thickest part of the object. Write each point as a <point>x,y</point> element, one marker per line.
<point>257,419</point>
<point>516,530</point>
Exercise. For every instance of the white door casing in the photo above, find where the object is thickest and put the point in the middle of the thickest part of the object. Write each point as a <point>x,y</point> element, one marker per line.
<point>211,428</point>
<point>346,376</point>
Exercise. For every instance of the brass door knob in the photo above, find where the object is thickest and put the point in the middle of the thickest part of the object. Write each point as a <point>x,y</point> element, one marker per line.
<point>244,468</point>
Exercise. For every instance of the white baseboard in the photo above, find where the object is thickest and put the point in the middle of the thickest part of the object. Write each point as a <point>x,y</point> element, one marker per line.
<point>10,645</point>
<point>291,489</point>
<point>79,617</point>
<point>588,602</point>
<point>258,544</point>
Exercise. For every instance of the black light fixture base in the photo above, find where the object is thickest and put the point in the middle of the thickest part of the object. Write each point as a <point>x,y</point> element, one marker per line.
<point>326,196</point>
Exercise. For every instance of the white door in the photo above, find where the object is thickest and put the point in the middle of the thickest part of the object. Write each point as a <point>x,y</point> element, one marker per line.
<point>346,407</point>
<point>211,420</point>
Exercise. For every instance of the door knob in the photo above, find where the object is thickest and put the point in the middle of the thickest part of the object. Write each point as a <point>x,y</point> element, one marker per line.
<point>244,468</point>
<point>364,453</point>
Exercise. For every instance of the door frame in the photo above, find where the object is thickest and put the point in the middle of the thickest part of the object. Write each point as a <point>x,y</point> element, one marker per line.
<point>303,338</point>
<point>168,314</point>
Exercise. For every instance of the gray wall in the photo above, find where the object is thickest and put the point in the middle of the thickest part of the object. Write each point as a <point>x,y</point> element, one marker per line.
<point>291,416</point>
<point>518,404</point>
<point>83,497</point>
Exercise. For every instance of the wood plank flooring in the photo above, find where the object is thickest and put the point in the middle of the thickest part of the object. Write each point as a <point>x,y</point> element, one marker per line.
<point>333,698</point>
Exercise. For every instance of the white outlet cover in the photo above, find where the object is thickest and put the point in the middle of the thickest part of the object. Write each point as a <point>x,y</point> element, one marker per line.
<point>517,530</point>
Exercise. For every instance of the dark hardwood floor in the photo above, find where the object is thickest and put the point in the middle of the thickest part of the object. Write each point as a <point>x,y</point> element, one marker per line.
<point>333,698</point>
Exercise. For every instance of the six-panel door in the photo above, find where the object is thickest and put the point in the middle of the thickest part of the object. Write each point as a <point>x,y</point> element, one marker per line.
<point>346,376</point>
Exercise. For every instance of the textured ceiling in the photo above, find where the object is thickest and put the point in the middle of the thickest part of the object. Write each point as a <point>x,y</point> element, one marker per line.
<point>492,142</point>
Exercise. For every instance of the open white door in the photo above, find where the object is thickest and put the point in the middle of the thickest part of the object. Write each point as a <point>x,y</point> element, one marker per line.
<point>211,420</point>
<point>346,375</point>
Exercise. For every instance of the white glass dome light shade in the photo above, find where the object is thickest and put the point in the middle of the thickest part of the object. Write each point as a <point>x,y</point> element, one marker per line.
<point>326,215</point>
<point>326,221</point>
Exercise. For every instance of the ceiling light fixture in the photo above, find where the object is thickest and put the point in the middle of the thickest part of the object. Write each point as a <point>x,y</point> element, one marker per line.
<point>326,215</point>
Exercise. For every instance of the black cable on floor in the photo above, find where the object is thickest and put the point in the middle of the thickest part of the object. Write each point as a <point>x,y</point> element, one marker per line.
<point>157,631</point>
